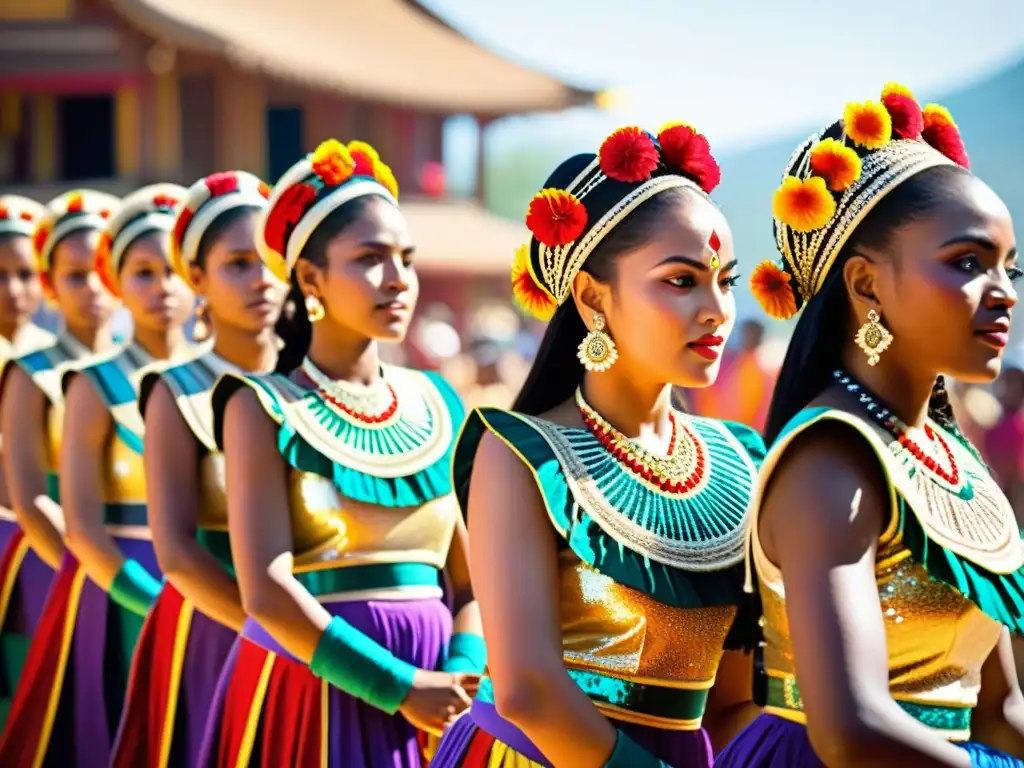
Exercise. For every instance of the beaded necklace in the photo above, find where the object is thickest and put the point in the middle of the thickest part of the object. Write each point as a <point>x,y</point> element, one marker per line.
<point>373,404</point>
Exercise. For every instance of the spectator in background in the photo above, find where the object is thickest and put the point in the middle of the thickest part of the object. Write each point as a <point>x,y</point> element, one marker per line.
<point>490,387</point>
<point>744,387</point>
<point>1004,443</point>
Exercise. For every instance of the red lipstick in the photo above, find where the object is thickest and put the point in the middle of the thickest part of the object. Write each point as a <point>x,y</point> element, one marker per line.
<point>707,346</point>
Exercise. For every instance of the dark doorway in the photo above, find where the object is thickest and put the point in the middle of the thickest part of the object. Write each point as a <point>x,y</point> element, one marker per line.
<point>86,137</point>
<point>284,140</point>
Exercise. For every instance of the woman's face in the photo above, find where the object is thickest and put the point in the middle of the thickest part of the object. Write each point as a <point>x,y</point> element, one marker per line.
<point>79,292</point>
<point>20,289</point>
<point>370,285</point>
<point>948,293</point>
<point>153,294</point>
<point>672,306</point>
<point>240,291</point>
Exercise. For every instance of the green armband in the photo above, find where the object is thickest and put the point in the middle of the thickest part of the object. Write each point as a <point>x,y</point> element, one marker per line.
<point>134,588</point>
<point>349,660</point>
<point>629,754</point>
<point>466,653</point>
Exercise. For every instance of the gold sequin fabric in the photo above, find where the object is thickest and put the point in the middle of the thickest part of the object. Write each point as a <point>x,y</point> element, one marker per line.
<point>608,627</point>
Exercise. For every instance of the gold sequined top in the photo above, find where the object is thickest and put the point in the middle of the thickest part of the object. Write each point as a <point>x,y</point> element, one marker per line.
<point>937,640</point>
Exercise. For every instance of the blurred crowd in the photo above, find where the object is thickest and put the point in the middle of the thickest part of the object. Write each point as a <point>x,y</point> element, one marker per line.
<point>489,360</point>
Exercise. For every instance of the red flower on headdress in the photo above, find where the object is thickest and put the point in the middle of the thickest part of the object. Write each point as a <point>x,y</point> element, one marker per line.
<point>105,213</point>
<point>164,201</point>
<point>556,217</point>
<point>181,226</point>
<point>3,212</point>
<point>264,189</point>
<point>628,155</point>
<point>365,157</point>
<point>945,137</point>
<point>39,239</point>
<point>288,211</point>
<point>75,203</point>
<point>221,183</point>
<point>689,152</point>
<point>26,216</point>
<point>105,265</point>
<point>907,119</point>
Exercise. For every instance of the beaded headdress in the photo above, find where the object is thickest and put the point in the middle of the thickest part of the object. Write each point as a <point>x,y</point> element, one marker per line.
<point>19,215</point>
<point>146,210</point>
<point>589,195</point>
<point>311,190</point>
<point>836,177</point>
<point>203,204</point>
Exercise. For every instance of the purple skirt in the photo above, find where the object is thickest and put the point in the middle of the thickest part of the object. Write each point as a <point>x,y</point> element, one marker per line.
<point>470,740</point>
<point>268,708</point>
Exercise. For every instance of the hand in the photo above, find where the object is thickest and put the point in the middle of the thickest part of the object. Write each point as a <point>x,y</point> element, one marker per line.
<point>436,698</point>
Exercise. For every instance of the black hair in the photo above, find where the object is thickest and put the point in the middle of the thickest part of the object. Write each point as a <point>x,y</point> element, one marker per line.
<point>216,230</point>
<point>556,372</point>
<point>293,327</point>
<point>815,348</point>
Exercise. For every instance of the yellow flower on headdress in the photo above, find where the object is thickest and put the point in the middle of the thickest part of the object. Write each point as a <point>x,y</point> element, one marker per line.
<point>333,163</point>
<point>868,123</point>
<point>803,205</point>
<point>530,294</point>
<point>836,163</point>
<point>383,174</point>
<point>676,124</point>
<point>773,290</point>
<point>896,89</point>
<point>366,149</point>
<point>936,114</point>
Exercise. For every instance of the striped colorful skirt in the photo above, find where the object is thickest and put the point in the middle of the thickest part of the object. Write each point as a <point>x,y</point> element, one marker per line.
<point>68,704</point>
<point>178,660</point>
<point>270,710</point>
<point>24,581</point>
<point>774,742</point>
<point>481,738</point>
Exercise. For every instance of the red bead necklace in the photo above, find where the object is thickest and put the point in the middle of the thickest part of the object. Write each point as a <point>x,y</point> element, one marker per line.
<point>335,394</point>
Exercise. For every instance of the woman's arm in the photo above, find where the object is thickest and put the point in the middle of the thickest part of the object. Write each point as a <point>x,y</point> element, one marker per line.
<point>23,421</point>
<point>87,429</point>
<point>731,704</point>
<point>998,720</point>
<point>468,653</point>
<point>514,561</point>
<point>820,522</point>
<point>173,493</point>
<point>261,546</point>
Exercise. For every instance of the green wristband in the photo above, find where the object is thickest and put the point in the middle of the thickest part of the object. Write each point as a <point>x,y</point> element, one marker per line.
<point>466,653</point>
<point>134,588</point>
<point>349,660</point>
<point>629,754</point>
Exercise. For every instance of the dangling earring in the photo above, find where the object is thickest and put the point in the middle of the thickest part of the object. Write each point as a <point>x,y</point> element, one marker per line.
<point>200,328</point>
<point>314,308</point>
<point>597,351</point>
<point>873,338</point>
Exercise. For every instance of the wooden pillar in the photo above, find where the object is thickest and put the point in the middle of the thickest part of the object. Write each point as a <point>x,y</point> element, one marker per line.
<point>127,131</point>
<point>241,122</point>
<point>167,125</point>
<point>44,139</point>
<point>481,158</point>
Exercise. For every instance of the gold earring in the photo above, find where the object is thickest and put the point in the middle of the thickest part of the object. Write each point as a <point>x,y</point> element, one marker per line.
<point>314,308</point>
<point>873,338</point>
<point>597,351</point>
<point>200,327</point>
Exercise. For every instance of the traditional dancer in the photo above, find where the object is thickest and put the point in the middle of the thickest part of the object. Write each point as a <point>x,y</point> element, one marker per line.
<point>889,563</point>
<point>607,526</point>
<point>339,497</point>
<point>195,620</point>
<point>20,567</point>
<point>67,709</point>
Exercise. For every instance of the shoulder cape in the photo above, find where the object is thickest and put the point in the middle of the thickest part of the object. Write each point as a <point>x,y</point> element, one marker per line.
<point>401,464</point>
<point>48,365</point>
<point>982,559</point>
<point>684,550</point>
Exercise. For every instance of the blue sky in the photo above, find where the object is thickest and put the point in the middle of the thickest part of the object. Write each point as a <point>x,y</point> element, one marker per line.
<point>745,72</point>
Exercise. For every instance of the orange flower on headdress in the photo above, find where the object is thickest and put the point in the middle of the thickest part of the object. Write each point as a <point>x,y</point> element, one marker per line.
<point>556,217</point>
<point>836,163</point>
<point>628,155</point>
<point>264,189</point>
<point>386,177</point>
<point>39,239</point>
<point>773,290</point>
<point>333,163</point>
<point>164,201</point>
<point>868,124</point>
<point>803,205</point>
<point>104,263</point>
<point>75,203</point>
<point>689,152</point>
<point>904,111</point>
<point>530,294</point>
<point>936,114</point>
